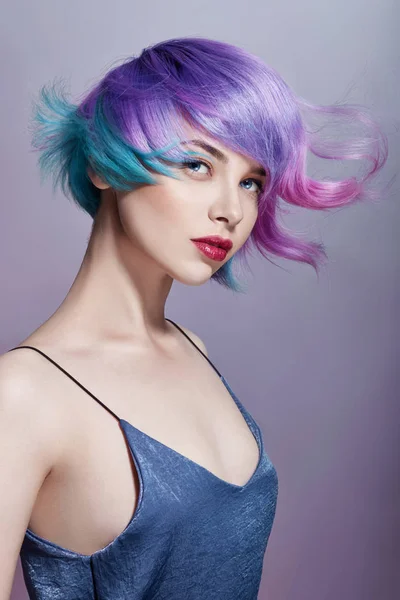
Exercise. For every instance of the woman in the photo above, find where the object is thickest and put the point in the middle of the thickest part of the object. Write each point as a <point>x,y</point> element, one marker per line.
<point>133,469</point>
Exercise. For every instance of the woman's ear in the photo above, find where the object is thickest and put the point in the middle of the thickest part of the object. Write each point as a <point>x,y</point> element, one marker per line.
<point>96,180</point>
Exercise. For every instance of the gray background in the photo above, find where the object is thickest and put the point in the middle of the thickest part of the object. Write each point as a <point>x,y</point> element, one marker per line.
<point>315,362</point>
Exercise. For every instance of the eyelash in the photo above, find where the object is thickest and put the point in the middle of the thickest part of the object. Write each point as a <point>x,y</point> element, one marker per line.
<point>201,162</point>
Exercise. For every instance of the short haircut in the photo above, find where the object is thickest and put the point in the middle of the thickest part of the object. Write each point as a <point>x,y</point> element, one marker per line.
<point>129,125</point>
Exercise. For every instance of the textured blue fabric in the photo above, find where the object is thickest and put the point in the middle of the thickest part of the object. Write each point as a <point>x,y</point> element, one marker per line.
<point>193,535</point>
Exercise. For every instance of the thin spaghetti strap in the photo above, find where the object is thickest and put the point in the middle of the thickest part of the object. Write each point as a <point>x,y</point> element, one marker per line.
<point>195,345</point>
<point>68,375</point>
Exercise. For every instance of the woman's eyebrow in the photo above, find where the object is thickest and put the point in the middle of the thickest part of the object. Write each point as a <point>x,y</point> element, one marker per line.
<point>220,155</point>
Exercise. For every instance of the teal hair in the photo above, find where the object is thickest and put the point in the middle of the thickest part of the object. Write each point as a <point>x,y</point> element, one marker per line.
<point>69,143</point>
<point>130,125</point>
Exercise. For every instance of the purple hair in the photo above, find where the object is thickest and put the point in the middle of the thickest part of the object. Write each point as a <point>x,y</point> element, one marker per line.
<point>123,129</point>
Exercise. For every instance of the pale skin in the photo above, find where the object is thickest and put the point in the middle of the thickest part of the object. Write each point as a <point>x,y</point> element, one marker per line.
<point>64,463</point>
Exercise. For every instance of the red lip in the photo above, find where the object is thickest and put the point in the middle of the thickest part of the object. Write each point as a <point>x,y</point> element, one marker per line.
<point>211,251</point>
<point>216,240</point>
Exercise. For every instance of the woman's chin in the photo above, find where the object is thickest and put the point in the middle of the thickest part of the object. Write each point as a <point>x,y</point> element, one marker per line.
<point>194,276</point>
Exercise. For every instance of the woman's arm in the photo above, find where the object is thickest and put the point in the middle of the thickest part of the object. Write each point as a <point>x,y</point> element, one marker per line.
<point>26,451</point>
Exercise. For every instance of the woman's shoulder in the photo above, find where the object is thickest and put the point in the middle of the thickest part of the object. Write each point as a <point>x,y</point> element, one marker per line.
<point>26,397</point>
<point>18,371</point>
<point>195,338</point>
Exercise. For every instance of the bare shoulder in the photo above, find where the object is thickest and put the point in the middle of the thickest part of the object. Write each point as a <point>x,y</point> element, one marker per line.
<point>195,338</point>
<point>28,452</point>
<point>17,373</point>
<point>24,399</point>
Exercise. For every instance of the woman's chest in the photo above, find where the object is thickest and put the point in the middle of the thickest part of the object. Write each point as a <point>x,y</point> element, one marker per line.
<point>92,494</point>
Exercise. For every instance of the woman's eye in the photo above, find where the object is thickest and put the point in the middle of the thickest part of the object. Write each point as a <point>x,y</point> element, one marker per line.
<point>189,163</point>
<point>258,183</point>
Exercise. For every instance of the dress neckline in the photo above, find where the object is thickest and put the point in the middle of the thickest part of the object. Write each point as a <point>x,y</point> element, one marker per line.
<point>232,487</point>
<point>251,423</point>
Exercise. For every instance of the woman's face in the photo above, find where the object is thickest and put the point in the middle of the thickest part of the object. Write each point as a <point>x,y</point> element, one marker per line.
<point>219,197</point>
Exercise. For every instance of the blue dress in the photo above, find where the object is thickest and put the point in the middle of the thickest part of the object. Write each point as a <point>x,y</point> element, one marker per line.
<point>193,536</point>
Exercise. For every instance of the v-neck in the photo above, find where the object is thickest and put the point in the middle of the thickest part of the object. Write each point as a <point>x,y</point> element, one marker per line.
<point>251,423</point>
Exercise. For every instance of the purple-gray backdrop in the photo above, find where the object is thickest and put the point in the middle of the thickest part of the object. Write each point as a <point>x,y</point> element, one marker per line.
<point>315,362</point>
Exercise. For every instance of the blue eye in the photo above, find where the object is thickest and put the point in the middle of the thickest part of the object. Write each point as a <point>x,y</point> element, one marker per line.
<point>258,183</point>
<point>188,163</point>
